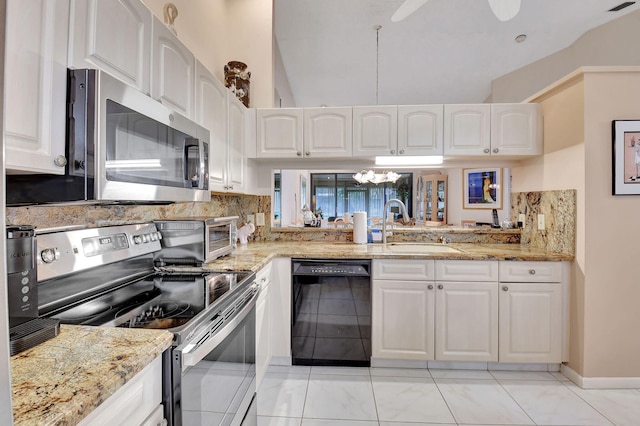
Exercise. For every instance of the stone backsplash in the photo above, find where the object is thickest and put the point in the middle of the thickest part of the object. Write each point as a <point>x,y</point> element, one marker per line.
<point>559,210</point>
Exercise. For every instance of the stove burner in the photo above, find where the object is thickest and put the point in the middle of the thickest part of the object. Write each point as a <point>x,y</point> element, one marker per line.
<point>160,316</point>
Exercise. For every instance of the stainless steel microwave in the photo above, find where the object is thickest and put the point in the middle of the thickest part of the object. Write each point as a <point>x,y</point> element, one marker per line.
<point>122,145</point>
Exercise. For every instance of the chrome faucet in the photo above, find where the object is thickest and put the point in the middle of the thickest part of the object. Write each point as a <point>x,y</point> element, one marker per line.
<point>384,216</point>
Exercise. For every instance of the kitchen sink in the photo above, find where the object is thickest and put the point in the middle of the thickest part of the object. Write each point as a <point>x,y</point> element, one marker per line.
<point>420,248</point>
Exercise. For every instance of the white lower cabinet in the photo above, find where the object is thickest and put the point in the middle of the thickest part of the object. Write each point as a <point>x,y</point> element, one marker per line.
<point>455,310</point>
<point>263,324</point>
<point>138,402</point>
<point>280,297</point>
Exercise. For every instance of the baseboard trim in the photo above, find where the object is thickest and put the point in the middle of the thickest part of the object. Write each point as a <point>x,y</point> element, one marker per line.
<point>281,360</point>
<point>601,382</point>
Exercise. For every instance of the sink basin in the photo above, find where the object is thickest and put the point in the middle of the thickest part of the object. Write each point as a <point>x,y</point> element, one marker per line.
<point>420,248</point>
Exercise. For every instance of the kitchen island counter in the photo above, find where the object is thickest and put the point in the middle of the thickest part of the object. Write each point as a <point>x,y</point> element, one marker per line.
<point>253,256</point>
<point>62,380</point>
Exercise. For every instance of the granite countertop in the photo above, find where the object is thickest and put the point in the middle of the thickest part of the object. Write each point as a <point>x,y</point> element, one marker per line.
<point>62,380</point>
<point>253,256</point>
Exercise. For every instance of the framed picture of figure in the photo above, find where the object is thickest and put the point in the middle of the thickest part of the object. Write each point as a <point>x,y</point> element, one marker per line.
<point>482,188</point>
<point>626,157</point>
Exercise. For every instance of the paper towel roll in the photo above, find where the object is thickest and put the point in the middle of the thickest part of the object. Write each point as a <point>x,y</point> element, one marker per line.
<point>360,227</point>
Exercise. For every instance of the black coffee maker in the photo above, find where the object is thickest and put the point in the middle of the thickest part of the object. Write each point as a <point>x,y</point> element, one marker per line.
<point>25,328</point>
<point>21,274</point>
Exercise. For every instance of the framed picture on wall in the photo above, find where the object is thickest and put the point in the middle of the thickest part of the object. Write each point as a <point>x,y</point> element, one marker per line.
<point>626,157</point>
<point>482,188</point>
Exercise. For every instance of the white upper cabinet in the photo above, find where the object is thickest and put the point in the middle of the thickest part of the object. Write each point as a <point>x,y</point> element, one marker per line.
<point>279,132</point>
<point>516,129</point>
<point>375,130</point>
<point>420,129</point>
<point>173,71</point>
<point>114,36</point>
<point>327,132</point>
<point>237,132</point>
<point>467,129</point>
<point>35,85</point>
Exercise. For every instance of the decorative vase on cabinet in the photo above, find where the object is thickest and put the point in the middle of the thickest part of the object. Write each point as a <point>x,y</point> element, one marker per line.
<point>431,199</point>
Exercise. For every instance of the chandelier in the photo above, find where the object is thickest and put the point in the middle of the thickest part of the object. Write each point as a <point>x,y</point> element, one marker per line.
<point>369,176</point>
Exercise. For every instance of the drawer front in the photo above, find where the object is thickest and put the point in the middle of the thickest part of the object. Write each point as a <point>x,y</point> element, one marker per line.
<point>530,272</point>
<point>403,269</point>
<point>466,270</point>
<point>263,276</point>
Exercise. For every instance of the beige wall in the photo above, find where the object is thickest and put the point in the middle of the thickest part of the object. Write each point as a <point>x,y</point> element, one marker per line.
<point>219,31</point>
<point>604,291</point>
<point>609,44</point>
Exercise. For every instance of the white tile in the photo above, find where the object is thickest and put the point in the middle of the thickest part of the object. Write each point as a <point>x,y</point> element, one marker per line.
<point>340,397</point>
<point>278,421</point>
<point>282,395</point>
<point>559,376</point>
<point>400,372</point>
<point>552,403</point>
<point>350,371</point>
<point>461,374</point>
<point>316,422</point>
<point>620,406</point>
<point>505,376</point>
<point>409,400</point>
<point>289,369</point>
<point>201,418</point>
<point>481,402</point>
<point>413,424</point>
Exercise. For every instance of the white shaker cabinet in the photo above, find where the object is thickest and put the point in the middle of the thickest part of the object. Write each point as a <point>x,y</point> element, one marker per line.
<point>327,132</point>
<point>114,36</point>
<point>172,71</point>
<point>516,129</point>
<point>35,85</point>
<point>403,310</point>
<point>531,312</point>
<point>237,164</point>
<point>467,129</point>
<point>375,130</point>
<point>279,132</point>
<point>420,129</point>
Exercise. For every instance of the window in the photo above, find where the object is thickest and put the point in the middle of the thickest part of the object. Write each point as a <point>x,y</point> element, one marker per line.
<point>338,193</point>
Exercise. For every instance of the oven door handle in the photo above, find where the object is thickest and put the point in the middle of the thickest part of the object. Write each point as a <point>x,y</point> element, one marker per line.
<point>193,353</point>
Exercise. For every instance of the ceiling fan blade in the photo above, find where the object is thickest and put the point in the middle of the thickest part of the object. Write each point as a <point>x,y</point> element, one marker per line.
<point>504,9</point>
<point>407,8</point>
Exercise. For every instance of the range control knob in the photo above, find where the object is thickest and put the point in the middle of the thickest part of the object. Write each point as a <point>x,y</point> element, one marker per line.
<point>137,239</point>
<point>50,255</point>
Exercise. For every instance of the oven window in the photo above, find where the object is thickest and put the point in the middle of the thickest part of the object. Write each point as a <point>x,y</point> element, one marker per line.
<point>219,236</point>
<point>142,150</point>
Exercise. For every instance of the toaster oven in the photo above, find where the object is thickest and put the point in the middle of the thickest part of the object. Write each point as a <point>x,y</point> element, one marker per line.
<point>195,240</point>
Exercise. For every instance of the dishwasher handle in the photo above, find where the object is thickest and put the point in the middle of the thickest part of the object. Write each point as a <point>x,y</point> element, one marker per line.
<point>207,340</point>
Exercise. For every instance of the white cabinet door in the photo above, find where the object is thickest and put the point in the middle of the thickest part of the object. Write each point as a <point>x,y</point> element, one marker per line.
<point>420,129</point>
<point>35,85</point>
<point>114,36</point>
<point>327,132</point>
<point>281,310</point>
<point>375,130</point>
<point>530,323</point>
<point>173,71</point>
<point>402,320</point>
<point>467,129</point>
<point>263,333</point>
<point>211,113</point>
<point>467,321</point>
<point>237,159</point>
<point>279,132</point>
<point>516,129</point>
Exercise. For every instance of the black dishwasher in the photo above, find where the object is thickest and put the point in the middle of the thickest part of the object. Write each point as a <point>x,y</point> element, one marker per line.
<point>331,312</point>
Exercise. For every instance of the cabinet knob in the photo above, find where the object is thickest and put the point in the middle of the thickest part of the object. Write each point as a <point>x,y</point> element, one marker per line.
<point>532,271</point>
<point>505,288</point>
<point>486,151</point>
<point>230,186</point>
<point>299,154</point>
<point>60,161</point>
<point>430,286</point>
<point>171,118</point>
<point>402,151</point>
<point>495,150</point>
<point>440,286</point>
<point>393,151</point>
<point>307,153</point>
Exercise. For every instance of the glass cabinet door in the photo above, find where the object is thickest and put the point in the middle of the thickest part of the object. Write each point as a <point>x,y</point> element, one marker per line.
<point>431,198</point>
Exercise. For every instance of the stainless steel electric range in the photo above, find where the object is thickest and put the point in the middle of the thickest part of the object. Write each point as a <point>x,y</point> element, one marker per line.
<point>106,277</point>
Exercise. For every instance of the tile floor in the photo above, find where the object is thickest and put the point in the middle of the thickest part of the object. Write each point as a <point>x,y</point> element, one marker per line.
<point>342,396</point>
